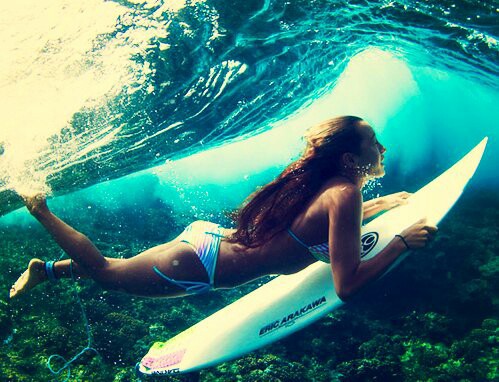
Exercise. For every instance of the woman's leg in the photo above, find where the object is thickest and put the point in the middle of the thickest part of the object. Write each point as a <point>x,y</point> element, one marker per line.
<point>134,275</point>
<point>76,245</point>
<point>125,274</point>
<point>36,274</point>
<point>62,270</point>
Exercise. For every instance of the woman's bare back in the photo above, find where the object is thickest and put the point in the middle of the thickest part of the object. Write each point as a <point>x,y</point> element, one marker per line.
<point>282,254</point>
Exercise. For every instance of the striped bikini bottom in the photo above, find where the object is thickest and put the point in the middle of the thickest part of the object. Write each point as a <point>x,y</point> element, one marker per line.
<point>204,237</point>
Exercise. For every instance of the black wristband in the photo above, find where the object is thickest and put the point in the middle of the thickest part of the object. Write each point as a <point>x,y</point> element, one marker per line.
<point>403,240</point>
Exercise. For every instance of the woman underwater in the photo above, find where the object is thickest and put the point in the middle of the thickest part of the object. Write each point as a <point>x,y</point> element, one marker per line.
<point>312,211</point>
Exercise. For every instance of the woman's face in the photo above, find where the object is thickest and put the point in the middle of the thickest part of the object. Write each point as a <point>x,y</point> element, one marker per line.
<point>370,160</point>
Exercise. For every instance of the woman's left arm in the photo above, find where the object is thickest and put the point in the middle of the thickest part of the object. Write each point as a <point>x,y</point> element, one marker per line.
<point>384,203</point>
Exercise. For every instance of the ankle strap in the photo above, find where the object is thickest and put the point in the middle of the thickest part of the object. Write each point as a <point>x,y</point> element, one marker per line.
<point>49,270</point>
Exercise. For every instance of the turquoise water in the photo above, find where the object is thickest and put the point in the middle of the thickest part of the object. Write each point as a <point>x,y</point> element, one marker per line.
<point>175,111</point>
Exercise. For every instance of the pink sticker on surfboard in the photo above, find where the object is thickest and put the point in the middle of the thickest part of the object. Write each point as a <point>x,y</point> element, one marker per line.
<point>165,360</point>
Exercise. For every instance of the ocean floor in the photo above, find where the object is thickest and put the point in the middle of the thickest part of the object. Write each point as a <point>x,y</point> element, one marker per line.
<point>434,318</point>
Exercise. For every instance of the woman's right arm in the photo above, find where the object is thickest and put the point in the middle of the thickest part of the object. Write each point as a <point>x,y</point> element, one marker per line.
<point>350,274</point>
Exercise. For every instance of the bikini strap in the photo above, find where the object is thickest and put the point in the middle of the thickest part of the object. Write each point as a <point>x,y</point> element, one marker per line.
<point>189,286</point>
<point>215,234</point>
<point>291,233</point>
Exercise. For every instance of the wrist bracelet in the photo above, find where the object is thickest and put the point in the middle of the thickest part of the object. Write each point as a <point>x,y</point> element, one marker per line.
<point>403,240</point>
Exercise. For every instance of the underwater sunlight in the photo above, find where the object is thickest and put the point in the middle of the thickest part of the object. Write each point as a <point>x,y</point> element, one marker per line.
<point>137,118</point>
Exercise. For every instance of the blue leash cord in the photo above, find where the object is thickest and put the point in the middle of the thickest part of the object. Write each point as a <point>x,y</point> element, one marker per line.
<point>67,364</point>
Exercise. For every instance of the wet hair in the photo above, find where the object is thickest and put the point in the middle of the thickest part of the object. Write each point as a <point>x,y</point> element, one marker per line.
<point>273,208</point>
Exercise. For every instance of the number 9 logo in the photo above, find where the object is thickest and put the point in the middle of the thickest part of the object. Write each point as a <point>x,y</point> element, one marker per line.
<point>368,242</point>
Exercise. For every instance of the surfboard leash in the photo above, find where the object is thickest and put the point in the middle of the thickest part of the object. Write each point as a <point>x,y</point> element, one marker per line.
<point>89,347</point>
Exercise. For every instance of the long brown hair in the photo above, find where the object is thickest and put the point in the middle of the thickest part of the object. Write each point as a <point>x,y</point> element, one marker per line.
<point>273,208</point>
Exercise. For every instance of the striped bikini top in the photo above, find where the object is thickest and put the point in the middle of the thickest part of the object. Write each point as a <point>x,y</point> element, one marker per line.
<point>319,251</point>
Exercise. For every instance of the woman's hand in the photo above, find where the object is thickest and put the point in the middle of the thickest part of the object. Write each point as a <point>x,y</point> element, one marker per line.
<point>418,234</point>
<point>388,202</point>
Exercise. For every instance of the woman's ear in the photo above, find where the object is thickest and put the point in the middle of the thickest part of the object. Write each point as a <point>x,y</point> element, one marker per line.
<point>349,160</point>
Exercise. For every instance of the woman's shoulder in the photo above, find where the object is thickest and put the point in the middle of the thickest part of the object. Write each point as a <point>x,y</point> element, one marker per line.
<point>341,191</point>
<point>337,192</point>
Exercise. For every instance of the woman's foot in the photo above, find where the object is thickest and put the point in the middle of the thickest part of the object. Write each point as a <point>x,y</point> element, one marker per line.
<point>34,275</point>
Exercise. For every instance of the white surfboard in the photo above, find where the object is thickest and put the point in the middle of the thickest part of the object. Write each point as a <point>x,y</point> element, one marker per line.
<point>290,302</point>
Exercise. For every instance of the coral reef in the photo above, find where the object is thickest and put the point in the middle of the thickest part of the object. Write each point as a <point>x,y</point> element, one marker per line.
<point>434,318</point>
